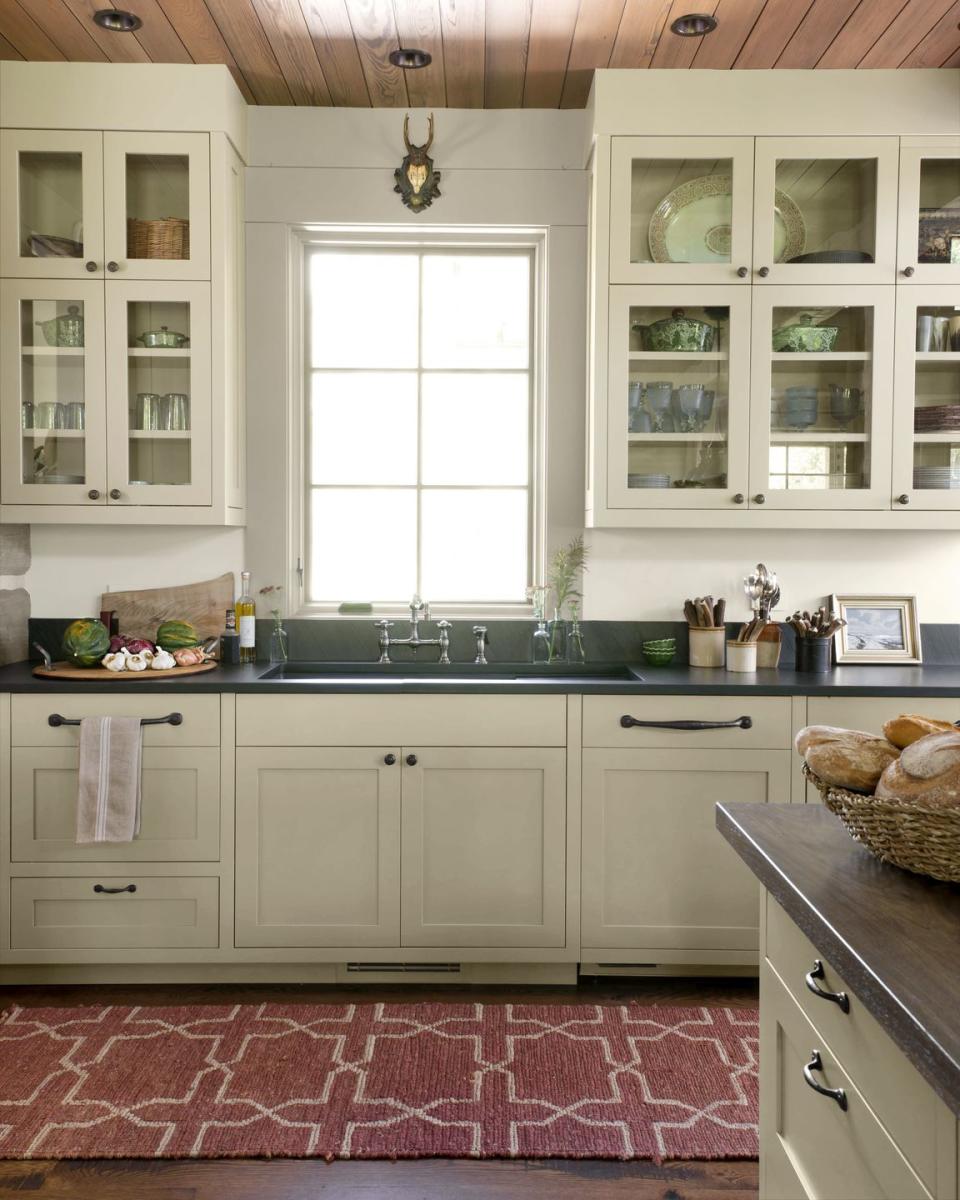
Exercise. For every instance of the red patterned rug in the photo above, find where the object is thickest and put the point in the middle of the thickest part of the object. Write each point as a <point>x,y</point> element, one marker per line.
<point>379,1081</point>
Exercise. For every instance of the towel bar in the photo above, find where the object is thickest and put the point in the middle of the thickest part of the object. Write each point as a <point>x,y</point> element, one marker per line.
<point>173,718</point>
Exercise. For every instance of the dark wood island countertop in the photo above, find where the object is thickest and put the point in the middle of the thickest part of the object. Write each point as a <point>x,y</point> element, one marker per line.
<point>892,935</point>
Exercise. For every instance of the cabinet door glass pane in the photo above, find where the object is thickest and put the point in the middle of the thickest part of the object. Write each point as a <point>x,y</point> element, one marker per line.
<point>52,395</point>
<point>820,403</point>
<point>938,234</point>
<point>936,416</point>
<point>51,204</point>
<point>825,210</point>
<point>159,392</point>
<point>680,210</point>
<point>158,206</point>
<point>676,408</point>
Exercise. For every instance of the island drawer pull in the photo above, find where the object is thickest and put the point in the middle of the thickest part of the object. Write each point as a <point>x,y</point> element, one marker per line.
<point>629,722</point>
<point>113,891</point>
<point>173,718</point>
<point>815,1064</point>
<point>811,977</point>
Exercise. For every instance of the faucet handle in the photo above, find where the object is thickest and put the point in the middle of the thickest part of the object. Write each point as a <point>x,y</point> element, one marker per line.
<point>384,623</point>
<point>480,632</point>
<point>443,627</point>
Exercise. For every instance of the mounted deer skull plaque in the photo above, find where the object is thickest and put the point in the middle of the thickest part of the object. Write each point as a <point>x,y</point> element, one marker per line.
<point>417,182</point>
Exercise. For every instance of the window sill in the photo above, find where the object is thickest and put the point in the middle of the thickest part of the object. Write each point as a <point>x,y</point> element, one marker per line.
<point>450,612</point>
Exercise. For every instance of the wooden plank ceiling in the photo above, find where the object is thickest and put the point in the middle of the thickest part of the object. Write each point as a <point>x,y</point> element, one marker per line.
<point>486,53</point>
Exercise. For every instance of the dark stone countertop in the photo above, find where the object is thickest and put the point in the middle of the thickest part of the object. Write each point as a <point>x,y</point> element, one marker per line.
<point>465,677</point>
<point>892,935</point>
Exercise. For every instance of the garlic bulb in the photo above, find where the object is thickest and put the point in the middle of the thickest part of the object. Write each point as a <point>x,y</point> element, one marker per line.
<point>114,662</point>
<point>137,662</point>
<point>163,661</point>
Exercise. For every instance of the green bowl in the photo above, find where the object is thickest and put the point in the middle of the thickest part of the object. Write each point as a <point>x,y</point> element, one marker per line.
<point>805,338</point>
<point>659,658</point>
<point>660,644</point>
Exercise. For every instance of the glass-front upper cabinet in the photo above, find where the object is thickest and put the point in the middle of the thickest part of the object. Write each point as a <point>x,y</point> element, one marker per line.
<point>929,226</point>
<point>52,388</point>
<point>825,210</point>
<point>158,387</point>
<point>51,204</point>
<point>821,396</point>
<point>157,205</point>
<point>926,446</point>
<point>677,397</point>
<point>681,209</point>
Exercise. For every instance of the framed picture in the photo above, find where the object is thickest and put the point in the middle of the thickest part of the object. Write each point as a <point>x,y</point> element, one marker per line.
<point>879,629</point>
<point>939,240</point>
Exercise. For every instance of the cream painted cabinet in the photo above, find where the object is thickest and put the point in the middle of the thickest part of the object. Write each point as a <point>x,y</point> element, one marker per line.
<point>929,231</point>
<point>318,847</point>
<point>658,880</point>
<point>484,847</point>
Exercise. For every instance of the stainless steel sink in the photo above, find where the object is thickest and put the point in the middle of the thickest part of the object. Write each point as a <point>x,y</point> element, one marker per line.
<point>456,673</point>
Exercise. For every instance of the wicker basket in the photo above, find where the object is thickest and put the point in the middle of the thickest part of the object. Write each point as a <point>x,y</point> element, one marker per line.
<point>923,840</point>
<point>168,237</point>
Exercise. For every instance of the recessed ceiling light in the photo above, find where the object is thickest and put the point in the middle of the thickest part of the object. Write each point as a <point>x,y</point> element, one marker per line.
<point>117,20</point>
<point>410,60</point>
<point>694,25</point>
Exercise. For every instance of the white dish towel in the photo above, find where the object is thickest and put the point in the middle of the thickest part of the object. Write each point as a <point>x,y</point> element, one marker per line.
<point>108,804</point>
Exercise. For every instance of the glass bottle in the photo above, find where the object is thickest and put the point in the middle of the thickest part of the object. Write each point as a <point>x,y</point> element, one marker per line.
<point>279,652</point>
<point>246,610</point>
<point>540,638</point>
<point>575,650</point>
<point>558,638</point>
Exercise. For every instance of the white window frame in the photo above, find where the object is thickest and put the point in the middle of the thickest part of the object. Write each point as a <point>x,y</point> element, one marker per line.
<point>303,240</point>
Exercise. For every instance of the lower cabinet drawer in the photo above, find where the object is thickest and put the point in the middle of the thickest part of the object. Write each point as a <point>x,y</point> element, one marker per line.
<point>114,912</point>
<point>894,1089</point>
<point>811,1148</point>
<point>768,727</point>
<point>180,812</point>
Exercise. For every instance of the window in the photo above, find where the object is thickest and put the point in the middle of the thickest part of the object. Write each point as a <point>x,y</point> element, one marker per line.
<point>420,430</point>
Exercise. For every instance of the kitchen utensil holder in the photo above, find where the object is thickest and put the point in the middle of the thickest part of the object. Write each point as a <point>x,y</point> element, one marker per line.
<point>814,654</point>
<point>742,657</point>
<point>707,645</point>
<point>769,646</point>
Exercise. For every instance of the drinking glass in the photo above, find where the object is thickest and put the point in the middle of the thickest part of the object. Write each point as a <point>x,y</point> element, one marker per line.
<point>146,413</point>
<point>175,411</point>
<point>49,414</point>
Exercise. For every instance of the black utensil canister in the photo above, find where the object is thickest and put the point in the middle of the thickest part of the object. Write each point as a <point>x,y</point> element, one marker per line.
<point>814,654</point>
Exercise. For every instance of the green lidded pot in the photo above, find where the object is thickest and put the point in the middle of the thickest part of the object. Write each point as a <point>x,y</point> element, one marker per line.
<point>66,329</point>
<point>676,332</point>
<point>805,337</point>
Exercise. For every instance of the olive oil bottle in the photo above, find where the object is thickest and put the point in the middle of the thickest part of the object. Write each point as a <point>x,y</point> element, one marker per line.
<point>246,610</point>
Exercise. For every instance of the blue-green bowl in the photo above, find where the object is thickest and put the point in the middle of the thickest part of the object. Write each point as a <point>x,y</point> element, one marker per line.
<point>659,658</point>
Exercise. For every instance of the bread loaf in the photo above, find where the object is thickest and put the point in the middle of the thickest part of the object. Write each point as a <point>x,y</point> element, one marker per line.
<point>847,758</point>
<point>927,772</point>
<point>909,728</point>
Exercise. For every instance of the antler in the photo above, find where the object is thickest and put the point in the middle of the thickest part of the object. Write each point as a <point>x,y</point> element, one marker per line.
<point>426,148</point>
<point>406,133</point>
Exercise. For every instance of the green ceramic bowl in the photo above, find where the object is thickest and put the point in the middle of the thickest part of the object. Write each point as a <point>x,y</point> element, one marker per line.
<point>810,339</point>
<point>659,658</point>
<point>669,643</point>
<point>676,332</point>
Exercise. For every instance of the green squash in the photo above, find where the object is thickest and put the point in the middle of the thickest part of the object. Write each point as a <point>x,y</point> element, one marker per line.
<point>86,642</point>
<point>176,635</point>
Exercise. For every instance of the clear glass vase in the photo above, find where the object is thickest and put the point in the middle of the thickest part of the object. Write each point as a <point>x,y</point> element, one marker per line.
<point>279,649</point>
<point>575,650</point>
<point>558,639</point>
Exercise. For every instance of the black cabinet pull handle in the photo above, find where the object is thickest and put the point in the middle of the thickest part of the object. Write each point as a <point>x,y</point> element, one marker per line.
<point>811,977</point>
<point>743,272</point>
<point>411,760</point>
<point>629,722</point>
<point>815,1064</point>
<point>115,493</point>
<point>389,759</point>
<point>93,494</point>
<point>739,498</point>
<point>903,498</point>
<point>173,718</point>
<point>763,272</point>
<point>909,272</point>
<point>91,265</point>
<point>108,891</point>
<point>112,266</point>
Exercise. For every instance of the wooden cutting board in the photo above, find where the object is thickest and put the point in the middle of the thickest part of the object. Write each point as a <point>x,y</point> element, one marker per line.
<point>202,604</point>
<point>64,670</point>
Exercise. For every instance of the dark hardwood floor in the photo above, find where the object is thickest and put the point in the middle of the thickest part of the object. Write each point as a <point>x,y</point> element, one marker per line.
<point>422,1179</point>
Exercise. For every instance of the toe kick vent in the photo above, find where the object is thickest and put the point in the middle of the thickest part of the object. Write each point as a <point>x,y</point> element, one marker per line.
<point>388,968</point>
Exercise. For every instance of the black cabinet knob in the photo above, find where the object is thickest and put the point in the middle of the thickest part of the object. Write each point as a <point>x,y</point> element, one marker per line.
<point>743,272</point>
<point>389,759</point>
<point>759,498</point>
<point>763,272</point>
<point>903,498</point>
<point>112,266</point>
<point>411,760</point>
<point>115,493</point>
<point>909,272</point>
<point>93,494</point>
<point>739,498</point>
<point>91,265</point>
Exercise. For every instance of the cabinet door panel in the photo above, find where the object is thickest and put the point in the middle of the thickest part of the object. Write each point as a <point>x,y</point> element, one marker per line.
<point>318,848</point>
<point>656,873</point>
<point>180,808</point>
<point>484,847</point>
<point>929,197</point>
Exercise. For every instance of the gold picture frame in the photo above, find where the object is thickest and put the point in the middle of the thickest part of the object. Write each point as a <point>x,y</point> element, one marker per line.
<point>879,629</point>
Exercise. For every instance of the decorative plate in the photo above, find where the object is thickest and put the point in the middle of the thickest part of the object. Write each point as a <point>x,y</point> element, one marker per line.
<point>691,224</point>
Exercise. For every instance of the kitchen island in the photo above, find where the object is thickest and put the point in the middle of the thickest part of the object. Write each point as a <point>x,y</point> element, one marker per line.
<point>859,1015</point>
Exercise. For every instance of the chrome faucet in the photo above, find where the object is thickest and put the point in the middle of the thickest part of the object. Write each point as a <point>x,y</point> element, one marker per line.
<point>419,611</point>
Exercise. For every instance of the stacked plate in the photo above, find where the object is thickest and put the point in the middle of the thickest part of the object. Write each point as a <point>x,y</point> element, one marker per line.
<point>936,477</point>
<point>648,481</point>
<point>937,418</point>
